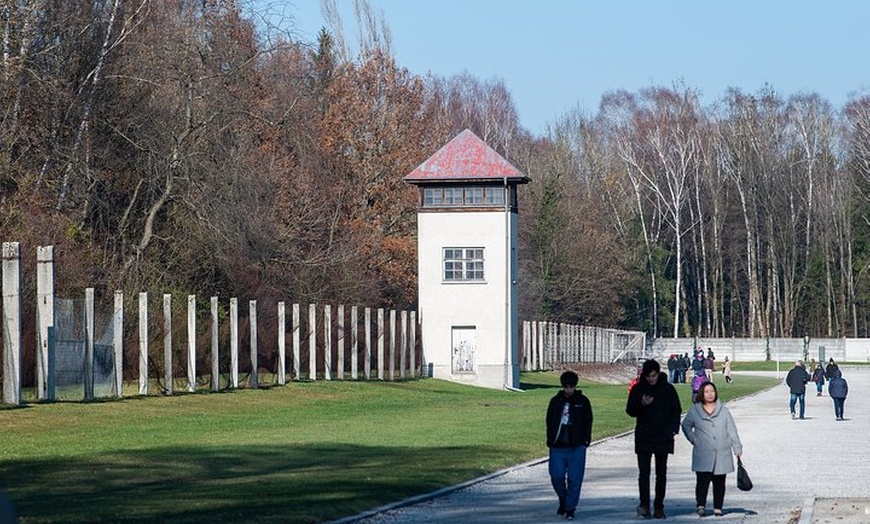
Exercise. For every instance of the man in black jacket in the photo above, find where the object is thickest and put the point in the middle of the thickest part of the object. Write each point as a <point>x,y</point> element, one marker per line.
<point>656,406</point>
<point>796,380</point>
<point>569,433</point>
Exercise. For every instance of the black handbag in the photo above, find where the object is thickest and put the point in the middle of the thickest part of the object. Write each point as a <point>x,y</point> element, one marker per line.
<point>744,483</point>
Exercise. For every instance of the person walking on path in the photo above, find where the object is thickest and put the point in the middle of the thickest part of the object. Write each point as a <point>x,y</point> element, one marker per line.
<point>711,430</point>
<point>838,389</point>
<point>683,363</point>
<point>710,366</point>
<point>698,365</point>
<point>726,370</point>
<point>656,406</point>
<point>832,370</point>
<point>569,433</point>
<point>796,380</point>
<point>819,378</point>
<point>672,368</point>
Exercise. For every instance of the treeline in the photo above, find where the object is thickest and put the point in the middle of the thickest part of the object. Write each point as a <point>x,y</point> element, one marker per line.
<point>748,216</point>
<point>176,146</point>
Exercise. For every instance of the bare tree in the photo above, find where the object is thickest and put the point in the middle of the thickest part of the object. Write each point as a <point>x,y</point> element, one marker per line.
<point>484,107</point>
<point>662,157</point>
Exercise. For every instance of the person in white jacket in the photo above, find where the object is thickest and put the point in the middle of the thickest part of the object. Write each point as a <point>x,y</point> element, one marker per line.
<point>710,428</point>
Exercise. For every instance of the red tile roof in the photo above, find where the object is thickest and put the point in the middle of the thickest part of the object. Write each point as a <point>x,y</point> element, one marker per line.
<point>465,158</point>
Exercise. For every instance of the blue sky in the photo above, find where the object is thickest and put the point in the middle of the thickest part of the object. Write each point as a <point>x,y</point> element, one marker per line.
<point>555,56</point>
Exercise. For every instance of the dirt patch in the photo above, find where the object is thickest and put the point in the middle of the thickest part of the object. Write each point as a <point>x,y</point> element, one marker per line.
<point>619,373</point>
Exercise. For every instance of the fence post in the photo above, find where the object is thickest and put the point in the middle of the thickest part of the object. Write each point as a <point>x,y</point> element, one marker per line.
<point>312,342</point>
<point>527,347</point>
<point>367,356</point>
<point>354,342</point>
<point>252,321</point>
<point>413,345</point>
<point>327,342</point>
<point>143,343</point>
<point>551,349</point>
<point>234,343</point>
<point>392,344</point>
<point>89,343</point>
<point>403,346</point>
<point>118,344</point>
<point>191,343</point>
<point>44,316</point>
<point>11,323</point>
<point>340,367</point>
<point>282,344</point>
<point>215,354</point>
<point>575,342</point>
<point>380,343</point>
<point>296,352</point>
<point>168,375</point>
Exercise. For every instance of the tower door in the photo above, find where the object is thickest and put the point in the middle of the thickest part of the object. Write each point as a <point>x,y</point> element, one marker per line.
<point>464,345</point>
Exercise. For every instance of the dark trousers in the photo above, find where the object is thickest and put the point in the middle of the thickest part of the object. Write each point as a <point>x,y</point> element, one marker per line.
<point>643,466</point>
<point>703,485</point>
<point>838,406</point>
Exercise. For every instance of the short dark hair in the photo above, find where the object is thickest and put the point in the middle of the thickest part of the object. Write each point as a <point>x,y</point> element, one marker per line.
<point>649,366</point>
<point>569,378</point>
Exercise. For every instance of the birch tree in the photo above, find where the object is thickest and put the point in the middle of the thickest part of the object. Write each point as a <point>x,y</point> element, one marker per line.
<point>663,157</point>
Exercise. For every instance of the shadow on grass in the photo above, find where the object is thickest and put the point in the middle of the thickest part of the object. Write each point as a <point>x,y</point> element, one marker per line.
<point>528,386</point>
<point>309,483</point>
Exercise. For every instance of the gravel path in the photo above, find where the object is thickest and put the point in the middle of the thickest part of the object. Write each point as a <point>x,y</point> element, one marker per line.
<point>809,471</point>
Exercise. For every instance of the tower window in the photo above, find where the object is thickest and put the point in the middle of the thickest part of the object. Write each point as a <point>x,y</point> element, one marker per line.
<point>463,264</point>
<point>466,196</point>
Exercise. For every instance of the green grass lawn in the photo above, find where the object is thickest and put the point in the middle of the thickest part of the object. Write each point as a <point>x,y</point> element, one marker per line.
<point>305,452</point>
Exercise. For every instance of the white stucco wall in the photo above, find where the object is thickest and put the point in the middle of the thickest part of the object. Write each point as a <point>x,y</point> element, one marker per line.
<point>781,349</point>
<point>483,305</point>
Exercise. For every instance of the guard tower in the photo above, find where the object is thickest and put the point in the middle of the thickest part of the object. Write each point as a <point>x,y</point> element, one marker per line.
<point>467,263</point>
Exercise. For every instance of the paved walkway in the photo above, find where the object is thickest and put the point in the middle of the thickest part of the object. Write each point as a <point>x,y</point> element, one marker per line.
<point>809,471</point>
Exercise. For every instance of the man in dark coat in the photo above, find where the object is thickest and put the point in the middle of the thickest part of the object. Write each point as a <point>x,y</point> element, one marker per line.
<point>656,406</point>
<point>672,369</point>
<point>569,433</point>
<point>698,364</point>
<point>838,389</point>
<point>796,380</point>
<point>685,363</point>
<point>832,370</point>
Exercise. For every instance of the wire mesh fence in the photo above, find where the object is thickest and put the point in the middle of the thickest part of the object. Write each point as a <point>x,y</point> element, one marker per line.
<point>79,372</point>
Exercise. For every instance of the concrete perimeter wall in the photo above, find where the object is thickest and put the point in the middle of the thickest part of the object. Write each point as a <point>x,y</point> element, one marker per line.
<point>780,349</point>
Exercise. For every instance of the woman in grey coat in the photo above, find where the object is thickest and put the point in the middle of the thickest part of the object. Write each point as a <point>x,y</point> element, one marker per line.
<point>710,428</point>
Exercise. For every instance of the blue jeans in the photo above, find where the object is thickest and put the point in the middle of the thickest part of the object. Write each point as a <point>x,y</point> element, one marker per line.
<point>819,385</point>
<point>794,398</point>
<point>567,467</point>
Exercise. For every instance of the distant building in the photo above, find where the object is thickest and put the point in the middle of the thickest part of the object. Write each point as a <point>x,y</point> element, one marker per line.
<point>467,263</point>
